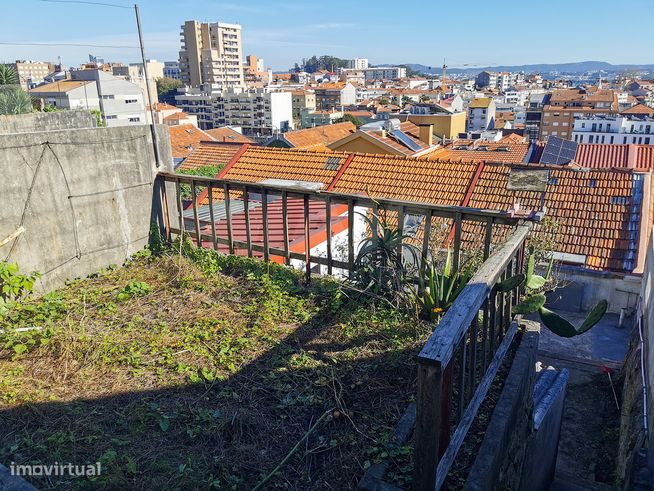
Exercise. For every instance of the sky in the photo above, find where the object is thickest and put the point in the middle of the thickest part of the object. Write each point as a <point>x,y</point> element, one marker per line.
<point>471,33</point>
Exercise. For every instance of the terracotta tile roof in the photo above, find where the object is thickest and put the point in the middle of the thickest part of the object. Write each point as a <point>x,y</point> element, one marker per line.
<point>406,178</point>
<point>163,106</point>
<point>210,154</point>
<point>480,102</point>
<point>320,136</point>
<point>184,138</point>
<point>604,155</point>
<point>259,163</point>
<point>592,210</point>
<point>330,86</point>
<point>639,109</point>
<point>61,86</point>
<point>226,134</point>
<point>504,151</point>
<point>410,129</point>
<point>176,116</point>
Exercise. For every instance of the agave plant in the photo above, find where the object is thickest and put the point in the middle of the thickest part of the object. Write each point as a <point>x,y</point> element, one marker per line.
<point>14,100</point>
<point>440,290</point>
<point>535,300</point>
<point>8,75</point>
<point>385,264</point>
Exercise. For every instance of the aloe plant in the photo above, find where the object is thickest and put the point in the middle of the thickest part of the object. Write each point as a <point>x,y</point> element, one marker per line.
<point>535,301</point>
<point>439,290</point>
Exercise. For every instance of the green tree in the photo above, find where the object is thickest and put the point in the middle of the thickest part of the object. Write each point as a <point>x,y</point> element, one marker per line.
<point>352,119</point>
<point>384,101</point>
<point>8,75</point>
<point>166,85</point>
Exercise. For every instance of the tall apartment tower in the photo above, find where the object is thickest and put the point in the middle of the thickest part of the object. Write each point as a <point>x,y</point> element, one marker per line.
<point>211,53</point>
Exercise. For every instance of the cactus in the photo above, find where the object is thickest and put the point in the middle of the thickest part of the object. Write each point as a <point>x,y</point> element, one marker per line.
<point>511,283</point>
<point>530,304</point>
<point>561,327</point>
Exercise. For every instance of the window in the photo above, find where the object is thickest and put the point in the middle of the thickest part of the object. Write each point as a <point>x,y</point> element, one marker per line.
<point>109,96</point>
<point>611,139</point>
<point>590,139</point>
<point>135,119</point>
<point>647,140</point>
<point>130,101</point>
<point>111,116</point>
<point>583,125</point>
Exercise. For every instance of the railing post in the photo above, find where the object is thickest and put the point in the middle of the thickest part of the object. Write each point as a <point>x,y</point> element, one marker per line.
<point>428,425</point>
<point>196,218</point>
<point>328,233</point>
<point>350,237</point>
<point>307,238</point>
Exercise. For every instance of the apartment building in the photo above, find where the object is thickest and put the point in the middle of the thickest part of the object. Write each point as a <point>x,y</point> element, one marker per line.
<point>499,80</point>
<point>566,105</point>
<point>309,119</point>
<point>621,129</point>
<point>358,63</point>
<point>31,73</point>
<point>171,70</point>
<point>135,74</point>
<point>258,113</point>
<point>301,100</point>
<point>254,72</point>
<point>379,73</point>
<point>335,95</point>
<point>121,103</point>
<point>211,53</point>
<point>481,114</point>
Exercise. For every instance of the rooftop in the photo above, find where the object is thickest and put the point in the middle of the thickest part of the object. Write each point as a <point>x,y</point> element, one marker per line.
<point>184,138</point>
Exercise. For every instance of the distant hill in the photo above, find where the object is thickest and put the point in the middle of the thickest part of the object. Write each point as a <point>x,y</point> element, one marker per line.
<point>567,68</point>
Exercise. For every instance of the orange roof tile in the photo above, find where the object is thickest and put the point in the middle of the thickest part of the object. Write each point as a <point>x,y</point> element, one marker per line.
<point>639,109</point>
<point>591,210</point>
<point>227,134</point>
<point>184,138</point>
<point>320,136</point>
<point>210,154</point>
<point>504,151</point>
<point>604,155</point>
<point>259,163</point>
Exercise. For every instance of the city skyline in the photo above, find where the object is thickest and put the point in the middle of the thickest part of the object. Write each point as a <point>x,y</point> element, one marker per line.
<point>290,31</point>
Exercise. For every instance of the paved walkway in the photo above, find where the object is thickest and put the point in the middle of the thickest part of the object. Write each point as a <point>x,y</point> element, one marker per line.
<point>589,432</point>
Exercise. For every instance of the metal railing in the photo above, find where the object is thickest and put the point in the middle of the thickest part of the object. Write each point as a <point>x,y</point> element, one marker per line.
<point>249,193</point>
<point>459,361</point>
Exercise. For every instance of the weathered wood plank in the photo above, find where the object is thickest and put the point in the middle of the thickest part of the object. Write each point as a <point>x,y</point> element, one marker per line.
<point>287,247</point>
<point>248,231</point>
<point>473,406</point>
<point>196,218</point>
<point>228,214</point>
<point>212,217</point>
<point>328,233</point>
<point>264,216</point>
<point>453,325</point>
<point>428,426</point>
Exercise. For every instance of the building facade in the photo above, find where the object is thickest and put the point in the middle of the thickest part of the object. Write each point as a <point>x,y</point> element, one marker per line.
<point>499,80</point>
<point>171,70</point>
<point>335,95</point>
<point>358,63</point>
<point>614,130</point>
<point>31,73</point>
<point>258,113</point>
<point>211,53</point>
<point>302,99</point>
<point>481,114</point>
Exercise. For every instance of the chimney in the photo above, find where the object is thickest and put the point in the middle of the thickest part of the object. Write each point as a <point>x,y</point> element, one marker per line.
<point>426,133</point>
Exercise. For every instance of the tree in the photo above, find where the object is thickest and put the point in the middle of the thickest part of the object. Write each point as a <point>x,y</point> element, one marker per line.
<point>166,85</point>
<point>384,101</point>
<point>352,119</point>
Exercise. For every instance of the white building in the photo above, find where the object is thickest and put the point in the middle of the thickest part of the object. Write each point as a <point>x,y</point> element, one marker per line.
<point>358,63</point>
<point>481,114</point>
<point>380,73</point>
<point>258,113</point>
<point>121,102</point>
<point>614,130</point>
<point>171,70</point>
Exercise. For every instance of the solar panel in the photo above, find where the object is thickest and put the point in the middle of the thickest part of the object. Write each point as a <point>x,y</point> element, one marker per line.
<point>558,151</point>
<point>406,140</point>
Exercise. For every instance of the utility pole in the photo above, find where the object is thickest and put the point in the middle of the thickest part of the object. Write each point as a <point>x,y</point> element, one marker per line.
<point>153,129</point>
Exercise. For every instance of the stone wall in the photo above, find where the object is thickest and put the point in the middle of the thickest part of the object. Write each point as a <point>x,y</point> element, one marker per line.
<point>84,197</point>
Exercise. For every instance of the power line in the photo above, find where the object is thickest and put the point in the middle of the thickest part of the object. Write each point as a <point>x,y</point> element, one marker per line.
<point>88,3</point>
<point>69,44</point>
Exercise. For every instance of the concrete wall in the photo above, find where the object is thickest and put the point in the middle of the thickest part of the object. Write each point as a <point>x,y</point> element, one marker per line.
<point>27,123</point>
<point>647,309</point>
<point>84,198</point>
<point>582,289</point>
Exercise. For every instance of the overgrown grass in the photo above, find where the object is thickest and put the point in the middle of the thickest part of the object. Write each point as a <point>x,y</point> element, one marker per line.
<point>198,370</point>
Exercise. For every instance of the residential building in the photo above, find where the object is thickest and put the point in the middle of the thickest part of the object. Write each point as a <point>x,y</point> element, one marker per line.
<point>302,99</point>
<point>184,139</point>
<point>481,114</point>
<point>171,70</point>
<point>31,73</point>
<point>258,113</point>
<point>380,73</point>
<point>499,80</point>
<point>335,95</point>
<point>120,102</point>
<point>358,63</point>
<point>565,105</point>
<point>357,77</point>
<point>309,119</point>
<point>134,73</point>
<point>254,72</point>
<point>211,54</point>
<point>315,139</point>
<point>534,115</point>
<point>614,129</point>
<point>446,124</point>
<point>390,137</point>
<point>228,134</point>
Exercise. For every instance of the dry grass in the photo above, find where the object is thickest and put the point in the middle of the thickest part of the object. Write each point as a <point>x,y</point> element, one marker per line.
<point>178,379</point>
